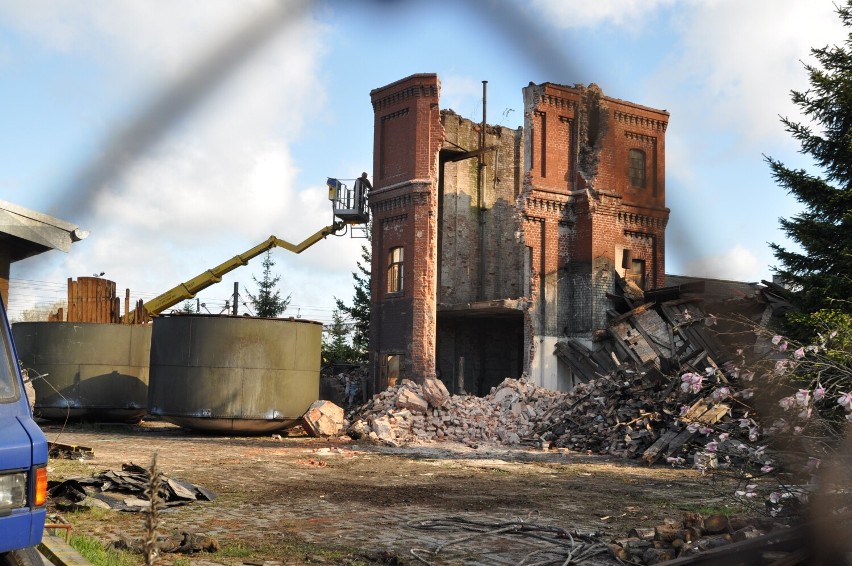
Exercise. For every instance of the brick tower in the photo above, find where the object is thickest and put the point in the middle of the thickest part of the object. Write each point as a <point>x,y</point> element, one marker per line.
<point>404,203</point>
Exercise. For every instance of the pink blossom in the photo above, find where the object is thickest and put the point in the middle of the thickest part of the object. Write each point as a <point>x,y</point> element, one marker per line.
<point>787,403</point>
<point>805,414</point>
<point>746,393</point>
<point>724,436</point>
<point>781,367</point>
<point>799,354</point>
<point>710,320</point>
<point>819,393</point>
<point>705,430</point>
<point>777,339</point>
<point>775,496</point>
<point>803,397</point>
<point>753,433</point>
<point>691,382</point>
<point>712,446</point>
<point>845,401</point>
<point>747,375</point>
<point>745,423</point>
<point>797,430</point>
<point>675,461</point>
<point>721,393</point>
<point>693,427</point>
<point>782,347</point>
<point>684,409</point>
<point>767,467</point>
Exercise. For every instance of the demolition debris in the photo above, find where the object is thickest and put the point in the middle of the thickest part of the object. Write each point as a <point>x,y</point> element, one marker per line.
<point>123,491</point>
<point>653,388</point>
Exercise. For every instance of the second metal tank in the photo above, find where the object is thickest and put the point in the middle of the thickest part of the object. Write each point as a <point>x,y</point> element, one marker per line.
<point>233,374</point>
<point>94,371</point>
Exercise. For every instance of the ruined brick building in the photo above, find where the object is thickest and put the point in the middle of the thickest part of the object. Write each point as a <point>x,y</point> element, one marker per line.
<point>487,250</point>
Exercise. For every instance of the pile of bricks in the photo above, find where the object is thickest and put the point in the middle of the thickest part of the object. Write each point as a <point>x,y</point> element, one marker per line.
<point>688,537</point>
<point>410,413</point>
<point>625,415</point>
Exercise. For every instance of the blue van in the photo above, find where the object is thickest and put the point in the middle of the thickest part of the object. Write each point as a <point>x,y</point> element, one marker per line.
<point>23,463</point>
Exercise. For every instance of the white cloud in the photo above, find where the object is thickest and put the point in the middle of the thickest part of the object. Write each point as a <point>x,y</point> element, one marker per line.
<point>737,264</point>
<point>582,13</point>
<point>734,63</point>
<point>223,179</point>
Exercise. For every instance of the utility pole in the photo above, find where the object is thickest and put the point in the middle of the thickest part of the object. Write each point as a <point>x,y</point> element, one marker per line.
<point>236,297</point>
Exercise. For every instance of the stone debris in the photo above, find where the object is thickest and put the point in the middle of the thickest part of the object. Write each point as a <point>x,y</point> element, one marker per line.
<point>323,418</point>
<point>110,490</point>
<point>694,535</point>
<point>660,384</point>
<point>626,415</point>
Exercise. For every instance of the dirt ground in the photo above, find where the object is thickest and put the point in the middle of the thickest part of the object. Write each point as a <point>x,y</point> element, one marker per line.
<point>299,500</point>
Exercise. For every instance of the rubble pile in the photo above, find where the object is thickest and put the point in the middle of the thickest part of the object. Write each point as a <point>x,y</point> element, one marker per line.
<point>625,414</point>
<point>410,413</point>
<point>658,383</point>
<point>692,535</point>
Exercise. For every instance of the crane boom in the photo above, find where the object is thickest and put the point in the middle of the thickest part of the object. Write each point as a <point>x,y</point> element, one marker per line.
<point>189,289</point>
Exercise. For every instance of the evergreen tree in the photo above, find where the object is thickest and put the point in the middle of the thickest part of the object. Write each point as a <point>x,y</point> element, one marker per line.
<point>359,311</point>
<point>268,302</point>
<point>335,346</point>
<point>821,273</point>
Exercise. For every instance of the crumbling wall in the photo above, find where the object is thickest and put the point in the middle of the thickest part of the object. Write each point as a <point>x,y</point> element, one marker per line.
<point>481,256</point>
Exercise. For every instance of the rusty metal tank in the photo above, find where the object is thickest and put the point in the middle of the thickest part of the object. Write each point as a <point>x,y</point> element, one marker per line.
<point>231,374</point>
<point>93,371</point>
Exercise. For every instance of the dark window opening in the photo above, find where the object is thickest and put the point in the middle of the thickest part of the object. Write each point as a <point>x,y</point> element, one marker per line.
<point>637,168</point>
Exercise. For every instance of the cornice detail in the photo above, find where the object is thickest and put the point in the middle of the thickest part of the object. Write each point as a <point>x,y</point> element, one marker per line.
<point>636,120</point>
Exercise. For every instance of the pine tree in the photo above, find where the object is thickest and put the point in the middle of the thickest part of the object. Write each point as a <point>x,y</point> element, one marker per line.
<point>359,311</point>
<point>335,346</point>
<point>268,302</point>
<point>820,275</point>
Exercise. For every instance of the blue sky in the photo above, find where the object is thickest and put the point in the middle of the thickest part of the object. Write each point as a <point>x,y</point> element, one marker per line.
<point>247,154</point>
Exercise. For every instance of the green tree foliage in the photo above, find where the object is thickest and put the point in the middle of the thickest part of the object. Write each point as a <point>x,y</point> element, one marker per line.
<point>268,302</point>
<point>359,311</point>
<point>821,273</point>
<point>188,306</point>
<point>335,346</point>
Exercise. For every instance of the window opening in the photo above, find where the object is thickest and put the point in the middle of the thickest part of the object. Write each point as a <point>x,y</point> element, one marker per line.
<point>394,364</point>
<point>637,273</point>
<point>637,168</point>
<point>395,265</point>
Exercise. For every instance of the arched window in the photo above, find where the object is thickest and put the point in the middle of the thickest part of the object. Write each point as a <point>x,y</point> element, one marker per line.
<point>637,168</point>
<point>395,265</point>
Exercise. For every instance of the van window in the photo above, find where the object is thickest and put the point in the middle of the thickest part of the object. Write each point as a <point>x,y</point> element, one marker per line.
<point>8,376</point>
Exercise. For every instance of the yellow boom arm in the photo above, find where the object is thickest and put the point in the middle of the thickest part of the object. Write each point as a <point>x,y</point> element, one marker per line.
<point>212,276</point>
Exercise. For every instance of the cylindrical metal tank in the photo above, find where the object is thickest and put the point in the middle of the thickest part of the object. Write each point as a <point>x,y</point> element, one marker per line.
<point>94,371</point>
<point>233,374</point>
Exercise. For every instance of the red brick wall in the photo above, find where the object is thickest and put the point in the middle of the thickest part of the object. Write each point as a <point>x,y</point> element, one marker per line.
<point>403,202</point>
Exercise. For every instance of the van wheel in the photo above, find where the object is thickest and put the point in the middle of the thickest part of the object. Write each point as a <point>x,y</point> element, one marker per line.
<point>23,557</point>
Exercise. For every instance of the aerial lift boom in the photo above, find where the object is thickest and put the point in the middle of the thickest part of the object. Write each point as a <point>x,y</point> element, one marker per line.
<point>349,207</point>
